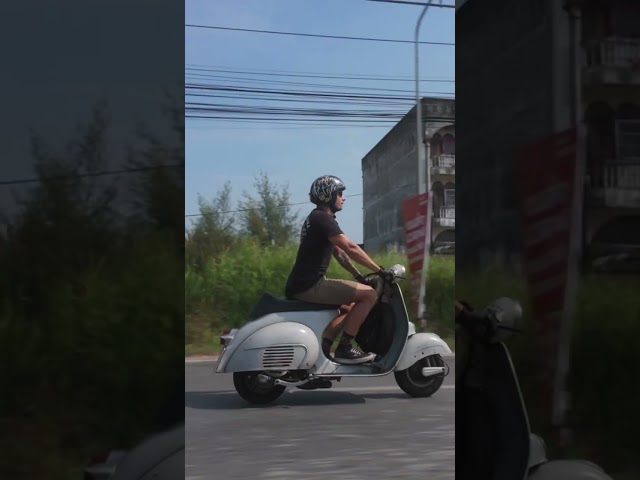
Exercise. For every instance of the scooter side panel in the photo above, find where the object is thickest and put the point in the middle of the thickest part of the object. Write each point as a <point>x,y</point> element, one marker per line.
<point>419,346</point>
<point>316,320</point>
<point>279,346</point>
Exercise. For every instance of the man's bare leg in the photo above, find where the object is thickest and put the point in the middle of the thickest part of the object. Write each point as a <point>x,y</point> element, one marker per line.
<point>365,299</point>
<point>334,328</point>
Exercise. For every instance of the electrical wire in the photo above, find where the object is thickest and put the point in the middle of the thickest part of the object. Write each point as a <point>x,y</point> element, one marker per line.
<point>197,76</point>
<point>299,93</point>
<point>297,34</point>
<point>88,175</point>
<point>276,73</point>
<point>279,206</point>
<point>408,2</point>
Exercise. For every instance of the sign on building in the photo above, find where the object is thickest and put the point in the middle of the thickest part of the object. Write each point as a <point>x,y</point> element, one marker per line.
<point>551,196</point>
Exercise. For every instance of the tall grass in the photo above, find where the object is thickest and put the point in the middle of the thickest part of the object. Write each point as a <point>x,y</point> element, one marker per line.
<point>93,373</point>
<point>222,294</point>
<point>606,332</point>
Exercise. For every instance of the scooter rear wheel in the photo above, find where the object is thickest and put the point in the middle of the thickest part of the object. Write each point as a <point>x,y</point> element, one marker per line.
<point>413,383</point>
<point>250,388</point>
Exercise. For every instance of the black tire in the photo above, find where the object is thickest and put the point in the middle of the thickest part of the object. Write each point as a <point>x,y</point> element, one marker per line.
<point>413,383</point>
<point>250,389</point>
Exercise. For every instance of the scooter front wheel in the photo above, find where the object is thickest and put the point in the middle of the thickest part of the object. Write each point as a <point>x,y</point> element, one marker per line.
<point>413,383</point>
<point>256,390</point>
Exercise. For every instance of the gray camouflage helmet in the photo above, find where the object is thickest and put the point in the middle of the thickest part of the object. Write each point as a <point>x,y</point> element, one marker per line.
<point>325,189</point>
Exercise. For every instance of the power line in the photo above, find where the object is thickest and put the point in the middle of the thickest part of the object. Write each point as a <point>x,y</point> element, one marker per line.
<point>341,37</point>
<point>299,93</point>
<point>259,71</point>
<point>289,125</point>
<point>247,209</point>
<point>90,174</point>
<point>248,109</point>
<point>325,101</point>
<point>279,206</point>
<point>256,208</point>
<point>359,109</point>
<point>407,2</point>
<point>301,75</point>
<point>197,76</point>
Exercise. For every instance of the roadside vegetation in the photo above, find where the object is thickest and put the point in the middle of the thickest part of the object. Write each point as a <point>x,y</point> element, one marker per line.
<point>91,324</point>
<point>233,258</point>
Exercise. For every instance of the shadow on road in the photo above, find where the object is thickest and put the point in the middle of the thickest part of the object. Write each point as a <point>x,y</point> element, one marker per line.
<point>230,400</point>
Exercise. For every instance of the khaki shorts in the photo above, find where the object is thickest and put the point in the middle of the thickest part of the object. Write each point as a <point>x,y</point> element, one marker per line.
<point>330,292</point>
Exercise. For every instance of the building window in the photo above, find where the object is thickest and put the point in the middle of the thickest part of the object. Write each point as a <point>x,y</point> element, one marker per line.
<point>449,144</point>
<point>449,197</point>
<point>628,140</point>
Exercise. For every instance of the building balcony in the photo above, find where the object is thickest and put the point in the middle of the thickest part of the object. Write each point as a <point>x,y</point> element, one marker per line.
<point>615,184</point>
<point>445,216</point>
<point>444,164</point>
<point>614,60</point>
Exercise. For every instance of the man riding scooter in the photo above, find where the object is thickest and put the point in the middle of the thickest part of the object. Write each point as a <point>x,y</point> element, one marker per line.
<point>320,238</point>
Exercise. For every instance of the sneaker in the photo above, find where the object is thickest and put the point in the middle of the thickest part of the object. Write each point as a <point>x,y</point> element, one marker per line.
<point>346,353</point>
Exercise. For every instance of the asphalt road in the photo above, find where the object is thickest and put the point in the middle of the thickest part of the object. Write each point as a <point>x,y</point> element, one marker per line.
<point>360,429</point>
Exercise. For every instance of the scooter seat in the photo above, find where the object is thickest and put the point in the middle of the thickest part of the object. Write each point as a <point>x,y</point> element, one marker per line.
<point>270,304</point>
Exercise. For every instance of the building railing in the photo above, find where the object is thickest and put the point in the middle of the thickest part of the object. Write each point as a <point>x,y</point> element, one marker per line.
<point>443,160</point>
<point>445,212</point>
<point>614,52</point>
<point>616,175</point>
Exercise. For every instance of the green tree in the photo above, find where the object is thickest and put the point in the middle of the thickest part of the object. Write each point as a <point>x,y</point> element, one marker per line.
<point>159,186</point>
<point>213,231</point>
<point>85,290</point>
<point>268,217</point>
<point>66,220</point>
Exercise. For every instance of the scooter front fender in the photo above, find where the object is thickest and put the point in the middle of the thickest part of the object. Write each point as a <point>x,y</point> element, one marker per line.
<point>419,346</point>
<point>568,470</point>
<point>279,346</point>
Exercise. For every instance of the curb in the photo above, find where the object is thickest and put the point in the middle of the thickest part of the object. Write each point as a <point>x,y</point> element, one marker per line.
<point>201,359</point>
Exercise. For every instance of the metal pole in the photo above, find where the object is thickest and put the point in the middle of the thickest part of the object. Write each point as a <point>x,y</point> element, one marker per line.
<point>421,175</point>
<point>419,129</point>
<point>563,401</point>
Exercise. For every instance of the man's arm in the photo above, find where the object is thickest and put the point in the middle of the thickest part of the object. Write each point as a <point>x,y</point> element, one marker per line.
<point>354,252</point>
<point>345,262</point>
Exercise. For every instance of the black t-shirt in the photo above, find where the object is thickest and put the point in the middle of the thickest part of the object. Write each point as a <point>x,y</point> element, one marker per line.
<point>314,253</point>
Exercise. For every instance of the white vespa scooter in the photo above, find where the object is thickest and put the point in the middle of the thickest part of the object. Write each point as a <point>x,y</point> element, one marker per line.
<point>493,436</point>
<point>280,347</point>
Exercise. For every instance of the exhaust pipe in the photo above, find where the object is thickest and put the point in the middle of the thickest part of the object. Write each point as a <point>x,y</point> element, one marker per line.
<point>431,371</point>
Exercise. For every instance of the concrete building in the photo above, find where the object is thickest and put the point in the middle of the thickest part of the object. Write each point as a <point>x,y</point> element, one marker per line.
<point>515,85</point>
<point>389,175</point>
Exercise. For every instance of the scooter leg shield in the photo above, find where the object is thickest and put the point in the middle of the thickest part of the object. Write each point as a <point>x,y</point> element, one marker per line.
<point>419,346</point>
<point>280,346</point>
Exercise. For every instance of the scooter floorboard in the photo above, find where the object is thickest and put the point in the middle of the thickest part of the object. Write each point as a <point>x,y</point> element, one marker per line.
<point>356,370</point>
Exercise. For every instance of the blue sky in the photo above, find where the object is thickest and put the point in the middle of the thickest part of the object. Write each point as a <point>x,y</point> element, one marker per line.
<point>52,85</point>
<point>220,151</point>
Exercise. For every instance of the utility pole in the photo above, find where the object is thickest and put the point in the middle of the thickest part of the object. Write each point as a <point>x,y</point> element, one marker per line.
<point>562,402</point>
<point>423,187</point>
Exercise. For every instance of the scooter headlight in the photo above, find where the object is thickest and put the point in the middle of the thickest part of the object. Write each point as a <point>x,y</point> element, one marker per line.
<point>398,272</point>
<point>506,316</point>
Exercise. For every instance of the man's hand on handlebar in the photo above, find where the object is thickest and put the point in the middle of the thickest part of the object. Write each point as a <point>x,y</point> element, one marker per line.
<point>388,275</point>
<point>371,282</point>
